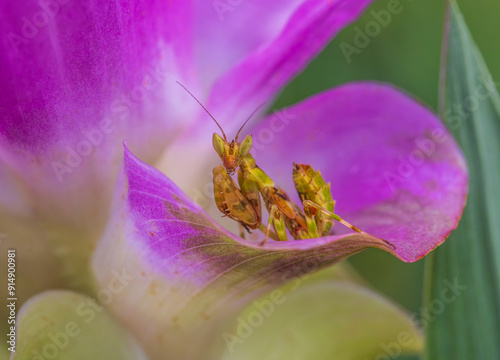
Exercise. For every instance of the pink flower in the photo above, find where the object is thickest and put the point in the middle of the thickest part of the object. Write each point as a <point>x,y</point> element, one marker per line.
<point>81,77</point>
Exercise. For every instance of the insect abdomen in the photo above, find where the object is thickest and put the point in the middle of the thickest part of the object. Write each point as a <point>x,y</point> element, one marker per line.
<point>311,186</point>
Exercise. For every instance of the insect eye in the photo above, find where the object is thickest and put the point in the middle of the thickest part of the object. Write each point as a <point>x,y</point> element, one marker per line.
<point>218,144</point>
<point>246,145</point>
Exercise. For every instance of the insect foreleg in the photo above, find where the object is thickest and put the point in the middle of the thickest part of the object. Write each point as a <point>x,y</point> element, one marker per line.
<point>231,201</point>
<point>250,190</point>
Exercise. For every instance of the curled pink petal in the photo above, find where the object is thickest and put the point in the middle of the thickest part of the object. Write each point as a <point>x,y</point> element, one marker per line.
<point>394,169</point>
<point>187,275</point>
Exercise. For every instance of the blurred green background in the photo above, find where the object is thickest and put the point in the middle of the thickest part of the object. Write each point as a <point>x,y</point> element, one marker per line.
<point>406,52</point>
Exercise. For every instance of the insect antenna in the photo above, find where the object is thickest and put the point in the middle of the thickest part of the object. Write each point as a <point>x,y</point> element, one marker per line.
<point>194,97</point>
<point>252,114</point>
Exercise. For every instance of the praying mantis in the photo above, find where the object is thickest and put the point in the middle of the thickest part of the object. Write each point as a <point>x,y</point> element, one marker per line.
<point>242,202</point>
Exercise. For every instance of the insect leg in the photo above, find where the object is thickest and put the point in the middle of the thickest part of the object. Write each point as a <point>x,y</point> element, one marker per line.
<point>287,214</point>
<point>311,208</point>
<point>272,234</point>
<point>279,223</point>
<point>242,231</point>
<point>268,229</point>
<point>310,213</point>
<point>276,219</point>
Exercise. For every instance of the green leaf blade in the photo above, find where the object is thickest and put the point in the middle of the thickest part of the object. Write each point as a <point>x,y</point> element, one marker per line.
<point>469,327</point>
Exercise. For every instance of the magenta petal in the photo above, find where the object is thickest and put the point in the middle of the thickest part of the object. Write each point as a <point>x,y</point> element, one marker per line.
<point>189,275</point>
<point>298,36</point>
<point>225,32</point>
<point>394,169</point>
